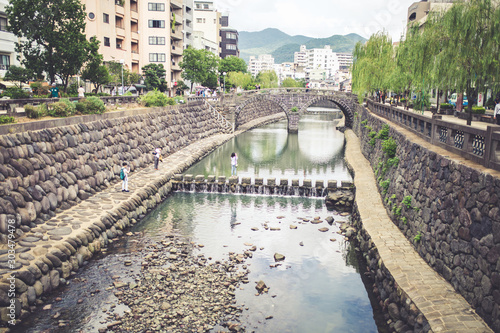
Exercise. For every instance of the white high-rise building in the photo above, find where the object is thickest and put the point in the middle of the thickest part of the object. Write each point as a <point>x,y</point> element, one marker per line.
<point>323,61</point>
<point>265,62</point>
<point>206,26</point>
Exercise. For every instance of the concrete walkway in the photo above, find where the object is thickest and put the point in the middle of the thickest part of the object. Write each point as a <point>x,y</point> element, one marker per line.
<point>443,307</point>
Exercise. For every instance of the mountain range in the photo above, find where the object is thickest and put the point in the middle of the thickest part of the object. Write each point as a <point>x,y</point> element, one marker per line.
<point>282,46</point>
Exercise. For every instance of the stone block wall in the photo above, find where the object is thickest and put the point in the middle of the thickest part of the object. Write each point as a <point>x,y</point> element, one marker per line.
<point>448,210</point>
<point>42,171</point>
<point>257,109</point>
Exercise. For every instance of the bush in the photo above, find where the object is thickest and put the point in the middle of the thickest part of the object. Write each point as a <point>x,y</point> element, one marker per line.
<point>294,109</point>
<point>35,112</point>
<point>384,184</point>
<point>90,105</point>
<point>389,146</point>
<point>7,120</point>
<point>179,100</point>
<point>60,109</point>
<point>372,134</point>
<point>70,105</point>
<point>478,110</point>
<point>101,94</point>
<point>446,106</point>
<point>15,93</point>
<point>383,134</point>
<point>171,101</point>
<point>154,98</point>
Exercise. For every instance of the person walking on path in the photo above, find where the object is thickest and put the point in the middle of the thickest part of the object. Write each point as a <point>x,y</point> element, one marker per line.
<point>234,163</point>
<point>157,157</point>
<point>124,176</point>
<point>81,92</point>
<point>54,91</point>
<point>496,114</point>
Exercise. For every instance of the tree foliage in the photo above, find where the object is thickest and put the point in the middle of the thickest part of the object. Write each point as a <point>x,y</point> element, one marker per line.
<point>95,71</point>
<point>239,79</point>
<point>291,83</point>
<point>232,64</point>
<point>18,73</point>
<point>267,79</point>
<point>199,66</point>
<point>457,50</point>
<point>52,36</point>
<point>154,77</point>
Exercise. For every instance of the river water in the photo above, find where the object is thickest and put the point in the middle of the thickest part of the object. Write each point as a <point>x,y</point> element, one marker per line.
<point>317,288</point>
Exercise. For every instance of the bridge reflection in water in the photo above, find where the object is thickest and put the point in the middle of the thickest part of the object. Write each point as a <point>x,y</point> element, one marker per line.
<point>315,152</point>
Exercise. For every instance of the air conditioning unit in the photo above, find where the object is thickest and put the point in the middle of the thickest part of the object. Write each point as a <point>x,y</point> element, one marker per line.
<point>118,46</point>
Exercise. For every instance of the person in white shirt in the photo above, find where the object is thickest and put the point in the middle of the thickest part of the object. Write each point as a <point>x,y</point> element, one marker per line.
<point>234,163</point>
<point>81,92</point>
<point>126,171</point>
<point>157,157</point>
<point>496,114</point>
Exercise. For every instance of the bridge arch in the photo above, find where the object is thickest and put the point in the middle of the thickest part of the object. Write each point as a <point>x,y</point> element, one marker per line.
<point>273,103</point>
<point>258,106</point>
<point>342,105</point>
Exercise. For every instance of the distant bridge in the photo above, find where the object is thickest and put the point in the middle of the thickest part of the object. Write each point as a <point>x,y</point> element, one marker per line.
<point>242,107</point>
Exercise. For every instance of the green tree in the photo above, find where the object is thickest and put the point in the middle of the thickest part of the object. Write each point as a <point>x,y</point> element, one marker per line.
<point>232,64</point>
<point>239,79</point>
<point>20,74</point>
<point>471,49</point>
<point>198,65</point>
<point>154,77</point>
<point>372,65</point>
<point>291,83</point>
<point>95,71</point>
<point>267,79</point>
<point>52,37</point>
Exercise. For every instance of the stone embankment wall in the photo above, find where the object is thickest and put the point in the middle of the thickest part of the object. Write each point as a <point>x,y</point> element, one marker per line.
<point>256,110</point>
<point>42,171</point>
<point>449,211</point>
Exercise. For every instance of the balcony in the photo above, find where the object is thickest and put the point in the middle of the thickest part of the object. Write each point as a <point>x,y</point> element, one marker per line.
<point>177,50</point>
<point>119,9</point>
<point>175,67</point>
<point>135,55</point>
<point>134,35</point>
<point>120,31</point>
<point>176,34</point>
<point>176,4</point>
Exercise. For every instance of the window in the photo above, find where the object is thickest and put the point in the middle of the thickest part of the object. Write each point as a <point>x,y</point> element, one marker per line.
<point>157,57</point>
<point>4,61</point>
<point>205,6</point>
<point>230,35</point>
<point>156,23</point>
<point>156,40</point>
<point>106,41</point>
<point>156,7</point>
<point>105,18</point>
<point>230,47</point>
<point>198,6</point>
<point>3,24</point>
<point>199,20</point>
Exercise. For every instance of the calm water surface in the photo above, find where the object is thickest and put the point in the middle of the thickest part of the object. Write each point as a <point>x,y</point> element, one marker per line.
<point>317,288</point>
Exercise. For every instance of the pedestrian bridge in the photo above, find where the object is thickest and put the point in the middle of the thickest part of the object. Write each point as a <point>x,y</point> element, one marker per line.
<point>239,108</point>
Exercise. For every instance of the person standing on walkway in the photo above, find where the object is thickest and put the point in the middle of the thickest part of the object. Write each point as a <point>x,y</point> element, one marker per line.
<point>81,92</point>
<point>234,163</point>
<point>496,114</point>
<point>157,157</point>
<point>124,176</point>
<point>54,91</point>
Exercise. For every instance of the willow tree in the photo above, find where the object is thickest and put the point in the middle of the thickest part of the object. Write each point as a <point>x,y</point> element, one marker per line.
<point>372,65</point>
<point>471,51</point>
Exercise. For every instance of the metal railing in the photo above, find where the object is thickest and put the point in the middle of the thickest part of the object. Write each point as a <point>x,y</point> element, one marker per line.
<point>219,117</point>
<point>475,144</point>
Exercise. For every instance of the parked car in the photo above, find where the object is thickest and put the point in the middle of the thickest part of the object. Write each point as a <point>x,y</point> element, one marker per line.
<point>453,100</point>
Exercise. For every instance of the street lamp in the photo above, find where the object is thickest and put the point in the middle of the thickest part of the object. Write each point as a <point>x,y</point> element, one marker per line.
<point>122,62</point>
<point>224,74</point>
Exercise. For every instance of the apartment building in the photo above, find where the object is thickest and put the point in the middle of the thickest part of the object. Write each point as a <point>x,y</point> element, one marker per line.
<point>206,26</point>
<point>228,39</point>
<point>8,55</point>
<point>322,60</point>
<point>300,58</point>
<point>265,62</point>
<point>418,11</point>
<point>139,33</point>
<point>188,22</point>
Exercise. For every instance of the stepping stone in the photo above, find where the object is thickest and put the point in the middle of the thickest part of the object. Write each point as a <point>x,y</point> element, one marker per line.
<point>60,231</point>
<point>26,244</point>
<point>31,239</point>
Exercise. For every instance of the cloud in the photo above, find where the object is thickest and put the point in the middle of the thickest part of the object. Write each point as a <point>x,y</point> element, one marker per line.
<point>318,18</point>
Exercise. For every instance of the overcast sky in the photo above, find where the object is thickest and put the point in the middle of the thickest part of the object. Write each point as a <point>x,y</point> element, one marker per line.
<point>318,18</point>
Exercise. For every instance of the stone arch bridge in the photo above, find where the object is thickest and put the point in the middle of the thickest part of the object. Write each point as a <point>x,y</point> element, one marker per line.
<point>243,107</point>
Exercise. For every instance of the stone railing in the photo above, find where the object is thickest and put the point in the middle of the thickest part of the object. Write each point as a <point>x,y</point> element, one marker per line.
<point>8,106</point>
<point>478,145</point>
